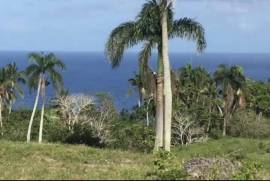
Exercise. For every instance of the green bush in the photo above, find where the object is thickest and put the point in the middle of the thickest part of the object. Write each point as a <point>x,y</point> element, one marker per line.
<point>215,133</point>
<point>16,126</point>
<point>249,125</point>
<point>249,171</point>
<point>82,135</point>
<point>133,136</point>
<point>165,169</point>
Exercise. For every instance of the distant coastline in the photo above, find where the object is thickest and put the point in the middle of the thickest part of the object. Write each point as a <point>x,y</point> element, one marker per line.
<point>91,72</point>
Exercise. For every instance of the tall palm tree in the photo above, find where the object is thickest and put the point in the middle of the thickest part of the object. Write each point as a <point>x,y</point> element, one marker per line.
<point>9,88</point>
<point>167,74</point>
<point>44,67</point>
<point>231,82</point>
<point>147,29</point>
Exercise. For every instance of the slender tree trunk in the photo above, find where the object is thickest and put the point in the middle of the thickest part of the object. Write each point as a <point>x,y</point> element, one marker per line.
<point>167,82</point>
<point>225,125</point>
<point>143,94</point>
<point>1,119</point>
<point>42,112</point>
<point>140,101</point>
<point>34,111</point>
<point>147,112</point>
<point>10,108</point>
<point>229,99</point>
<point>159,102</point>
<point>209,119</point>
<point>226,116</point>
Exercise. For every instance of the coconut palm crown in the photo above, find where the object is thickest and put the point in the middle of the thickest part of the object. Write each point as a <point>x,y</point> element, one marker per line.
<point>146,29</point>
<point>45,65</point>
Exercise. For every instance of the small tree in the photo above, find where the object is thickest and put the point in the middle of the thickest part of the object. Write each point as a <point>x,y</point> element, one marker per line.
<point>185,130</point>
<point>72,107</point>
<point>101,118</point>
<point>84,110</point>
<point>180,128</point>
<point>231,81</point>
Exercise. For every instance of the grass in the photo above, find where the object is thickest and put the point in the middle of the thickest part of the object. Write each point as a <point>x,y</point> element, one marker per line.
<point>19,160</point>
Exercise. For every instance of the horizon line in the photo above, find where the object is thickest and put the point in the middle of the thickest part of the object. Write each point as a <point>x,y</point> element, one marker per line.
<point>154,52</point>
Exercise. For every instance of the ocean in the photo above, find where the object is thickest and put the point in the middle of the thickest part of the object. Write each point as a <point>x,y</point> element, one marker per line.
<point>91,72</point>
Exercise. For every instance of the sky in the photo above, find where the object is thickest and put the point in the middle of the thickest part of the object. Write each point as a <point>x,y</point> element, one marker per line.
<point>84,25</point>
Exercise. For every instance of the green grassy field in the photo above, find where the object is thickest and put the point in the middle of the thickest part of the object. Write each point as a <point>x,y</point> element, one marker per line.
<point>19,160</point>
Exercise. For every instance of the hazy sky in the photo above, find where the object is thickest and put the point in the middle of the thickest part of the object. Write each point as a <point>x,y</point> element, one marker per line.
<point>84,25</point>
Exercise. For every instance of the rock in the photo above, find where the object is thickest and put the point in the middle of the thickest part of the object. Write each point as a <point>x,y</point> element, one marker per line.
<point>211,168</point>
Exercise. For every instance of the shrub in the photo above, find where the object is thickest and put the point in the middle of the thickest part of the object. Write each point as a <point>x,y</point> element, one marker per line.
<point>87,119</point>
<point>73,107</point>
<point>185,130</point>
<point>248,171</point>
<point>82,135</point>
<point>133,136</point>
<point>165,169</point>
<point>215,133</point>
<point>248,124</point>
<point>16,126</point>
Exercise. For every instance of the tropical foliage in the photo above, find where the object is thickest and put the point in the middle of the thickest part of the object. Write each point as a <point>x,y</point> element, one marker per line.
<point>9,88</point>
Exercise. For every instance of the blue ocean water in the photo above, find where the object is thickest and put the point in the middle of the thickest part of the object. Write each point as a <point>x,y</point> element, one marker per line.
<point>91,72</point>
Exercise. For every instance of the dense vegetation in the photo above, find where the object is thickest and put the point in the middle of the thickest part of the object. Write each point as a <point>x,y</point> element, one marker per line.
<point>199,113</point>
<point>218,124</point>
<point>203,104</point>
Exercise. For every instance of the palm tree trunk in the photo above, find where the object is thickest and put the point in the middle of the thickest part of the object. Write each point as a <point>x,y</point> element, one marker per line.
<point>226,114</point>
<point>42,112</point>
<point>225,125</point>
<point>159,103</point>
<point>229,99</point>
<point>34,111</point>
<point>167,82</point>
<point>209,119</point>
<point>147,114</point>
<point>1,119</point>
<point>143,94</point>
<point>140,97</point>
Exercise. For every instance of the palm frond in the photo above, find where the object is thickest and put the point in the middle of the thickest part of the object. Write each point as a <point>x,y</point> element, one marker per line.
<point>121,38</point>
<point>36,58</point>
<point>31,69</point>
<point>56,79</point>
<point>53,61</point>
<point>191,30</point>
<point>33,80</point>
<point>146,52</point>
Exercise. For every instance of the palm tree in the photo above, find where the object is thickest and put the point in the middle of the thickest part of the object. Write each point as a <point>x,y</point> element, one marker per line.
<point>9,88</point>
<point>147,29</point>
<point>137,82</point>
<point>43,68</point>
<point>167,75</point>
<point>231,82</point>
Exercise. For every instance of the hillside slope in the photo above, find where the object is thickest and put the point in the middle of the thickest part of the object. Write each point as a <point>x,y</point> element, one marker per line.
<point>19,160</point>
